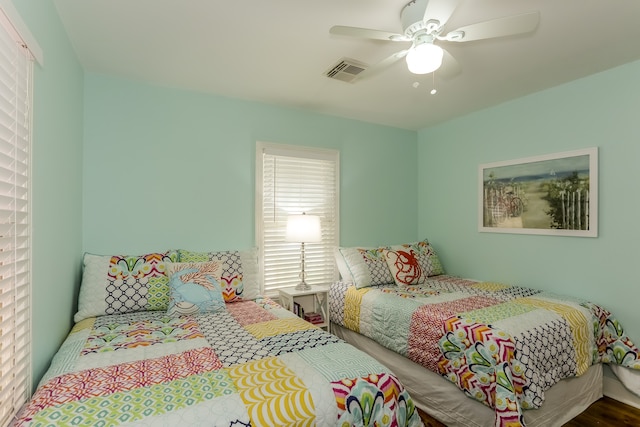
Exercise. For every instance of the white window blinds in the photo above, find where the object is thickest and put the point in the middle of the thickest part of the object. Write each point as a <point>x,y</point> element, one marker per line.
<point>15,136</point>
<point>293,180</point>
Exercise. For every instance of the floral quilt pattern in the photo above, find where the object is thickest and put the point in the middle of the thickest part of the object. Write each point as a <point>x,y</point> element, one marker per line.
<point>501,345</point>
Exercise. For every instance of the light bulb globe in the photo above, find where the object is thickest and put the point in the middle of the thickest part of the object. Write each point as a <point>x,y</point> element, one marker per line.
<point>424,58</point>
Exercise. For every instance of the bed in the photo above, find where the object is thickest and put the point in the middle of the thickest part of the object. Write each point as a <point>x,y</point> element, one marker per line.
<point>184,338</point>
<point>533,357</point>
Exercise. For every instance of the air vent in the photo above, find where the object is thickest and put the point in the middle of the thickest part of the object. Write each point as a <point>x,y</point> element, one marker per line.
<point>346,70</point>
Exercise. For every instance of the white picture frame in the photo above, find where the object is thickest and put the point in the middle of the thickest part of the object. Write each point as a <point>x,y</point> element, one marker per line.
<point>553,194</point>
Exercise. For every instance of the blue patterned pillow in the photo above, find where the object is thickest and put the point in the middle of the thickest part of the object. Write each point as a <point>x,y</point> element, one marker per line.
<point>239,271</point>
<point>194,288</point>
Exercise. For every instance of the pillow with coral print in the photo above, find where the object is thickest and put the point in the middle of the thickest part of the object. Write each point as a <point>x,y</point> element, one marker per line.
<point>412,263</point>
<point>194,288</point>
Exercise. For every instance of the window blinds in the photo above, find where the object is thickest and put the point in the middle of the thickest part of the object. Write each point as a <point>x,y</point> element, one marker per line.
<point>297,180</point>
<point>15,319</point>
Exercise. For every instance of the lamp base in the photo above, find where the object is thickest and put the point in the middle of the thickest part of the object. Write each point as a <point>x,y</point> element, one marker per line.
<point>303,286</point>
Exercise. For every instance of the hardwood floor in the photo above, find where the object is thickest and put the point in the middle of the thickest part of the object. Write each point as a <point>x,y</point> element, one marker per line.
<point>429,421</point>
<point>607,412</point>
<point>604,412</point>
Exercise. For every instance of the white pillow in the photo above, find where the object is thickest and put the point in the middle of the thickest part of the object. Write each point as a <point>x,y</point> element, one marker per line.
<point>345,274</point>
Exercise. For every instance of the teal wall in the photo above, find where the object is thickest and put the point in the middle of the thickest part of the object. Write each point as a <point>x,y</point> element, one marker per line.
<point>166,168</point>
<point>57,183</point>
<point>120,166</point>
<point>597,111</point>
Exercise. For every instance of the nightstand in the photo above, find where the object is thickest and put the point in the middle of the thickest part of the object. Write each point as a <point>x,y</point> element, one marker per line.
<point>314,300</point>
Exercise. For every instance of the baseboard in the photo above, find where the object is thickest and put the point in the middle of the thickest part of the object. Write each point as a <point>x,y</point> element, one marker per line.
<point>614,389</point>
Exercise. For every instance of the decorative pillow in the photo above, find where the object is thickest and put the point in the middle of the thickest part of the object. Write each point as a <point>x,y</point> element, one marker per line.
<point>239,277</point>
<point>345,274</point>
<point>194,288</point>
<point>367,266</point>
<point>412,263</point>
<point>113,284</point>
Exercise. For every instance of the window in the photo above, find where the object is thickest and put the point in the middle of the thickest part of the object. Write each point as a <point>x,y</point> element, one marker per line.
<point>295,180</point>
<point>15,139</point>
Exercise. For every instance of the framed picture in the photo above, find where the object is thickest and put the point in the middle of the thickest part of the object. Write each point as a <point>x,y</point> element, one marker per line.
<point>555,194</point>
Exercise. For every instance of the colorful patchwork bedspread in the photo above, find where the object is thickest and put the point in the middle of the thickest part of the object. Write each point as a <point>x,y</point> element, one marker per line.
<point>502,345</point>
<point>254,363</point>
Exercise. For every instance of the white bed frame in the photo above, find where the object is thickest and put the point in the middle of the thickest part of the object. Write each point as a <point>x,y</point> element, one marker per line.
<point>444,401</point>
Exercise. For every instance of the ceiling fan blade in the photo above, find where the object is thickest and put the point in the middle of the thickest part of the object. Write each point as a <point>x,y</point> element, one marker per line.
<point>367,33</point>
<point>382,65</point>
<point>500,27</point>
<point>440,10</point>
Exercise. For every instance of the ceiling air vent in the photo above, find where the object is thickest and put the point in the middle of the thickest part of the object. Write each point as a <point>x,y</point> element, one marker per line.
<point>346,70</point>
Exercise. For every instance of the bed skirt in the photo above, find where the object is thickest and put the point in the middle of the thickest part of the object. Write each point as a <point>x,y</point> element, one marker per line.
<point>444,401</point>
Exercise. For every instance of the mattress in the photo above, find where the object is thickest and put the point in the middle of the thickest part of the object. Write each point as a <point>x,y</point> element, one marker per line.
<point>251,363</point>
<point>504,346</point>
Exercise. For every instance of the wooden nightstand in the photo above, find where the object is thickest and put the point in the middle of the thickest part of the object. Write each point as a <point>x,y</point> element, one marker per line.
<point>314,300</point>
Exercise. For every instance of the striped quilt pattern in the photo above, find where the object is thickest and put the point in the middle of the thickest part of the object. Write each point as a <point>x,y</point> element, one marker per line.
<point>253,364</point>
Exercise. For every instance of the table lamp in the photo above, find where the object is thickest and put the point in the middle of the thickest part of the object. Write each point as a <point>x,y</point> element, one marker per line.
<point>303,229</point>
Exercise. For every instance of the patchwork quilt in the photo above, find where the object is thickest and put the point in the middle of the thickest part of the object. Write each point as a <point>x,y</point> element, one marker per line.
<point>253,363</point>
<point>502,345</point>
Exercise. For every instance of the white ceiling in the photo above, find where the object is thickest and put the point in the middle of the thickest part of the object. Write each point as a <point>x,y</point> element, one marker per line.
<point>277,51</point>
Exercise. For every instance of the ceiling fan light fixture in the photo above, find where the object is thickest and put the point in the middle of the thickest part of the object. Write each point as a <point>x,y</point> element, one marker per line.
<point>424,58</point>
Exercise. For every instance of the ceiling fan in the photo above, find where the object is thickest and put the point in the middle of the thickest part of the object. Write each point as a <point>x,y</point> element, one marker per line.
<point>423,23</point>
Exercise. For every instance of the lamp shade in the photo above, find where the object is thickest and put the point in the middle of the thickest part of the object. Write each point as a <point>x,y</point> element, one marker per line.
<point>303,229</point>
<point>424,58</point>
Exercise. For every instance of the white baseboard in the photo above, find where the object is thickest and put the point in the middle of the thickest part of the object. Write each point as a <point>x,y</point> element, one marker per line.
<point>614,389</point>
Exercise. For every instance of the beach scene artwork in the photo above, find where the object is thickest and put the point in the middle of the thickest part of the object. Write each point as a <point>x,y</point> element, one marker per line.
<point>550,194</point>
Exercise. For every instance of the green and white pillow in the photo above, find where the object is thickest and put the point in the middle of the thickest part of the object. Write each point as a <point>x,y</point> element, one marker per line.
<point>115,284</point>
<point>365,266</point>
